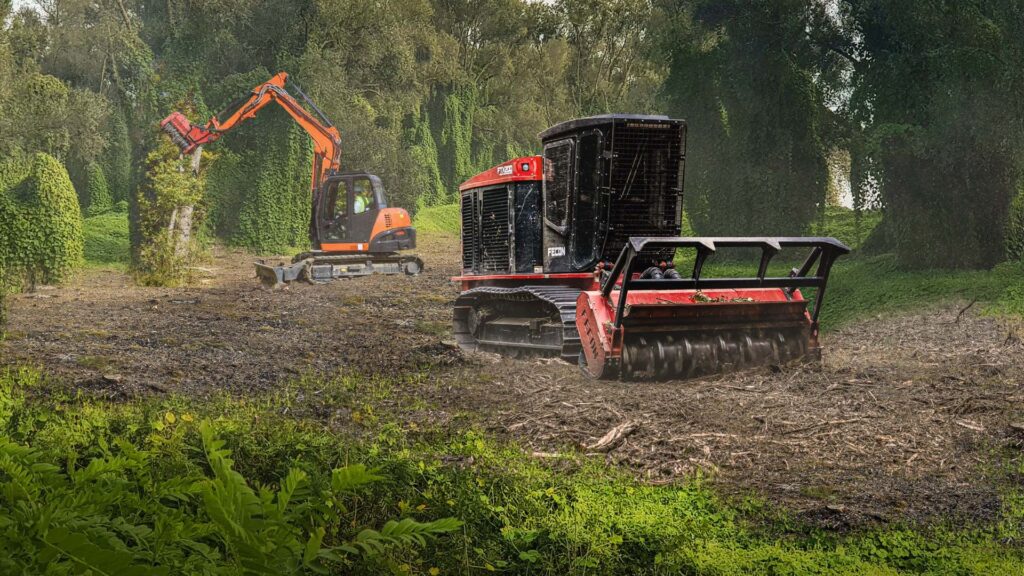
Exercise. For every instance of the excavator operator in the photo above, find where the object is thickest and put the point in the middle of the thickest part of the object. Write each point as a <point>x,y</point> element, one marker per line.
<point>362,200</point>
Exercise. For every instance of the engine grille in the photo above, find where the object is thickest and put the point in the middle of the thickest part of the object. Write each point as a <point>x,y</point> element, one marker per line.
<point>494,231</point>
<point>469,232</point>
<point>646,182</point>
<point>486,238</point>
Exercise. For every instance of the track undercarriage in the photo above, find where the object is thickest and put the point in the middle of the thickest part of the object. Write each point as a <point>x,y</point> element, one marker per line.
<point>317,268</point>
<point>519,322</point>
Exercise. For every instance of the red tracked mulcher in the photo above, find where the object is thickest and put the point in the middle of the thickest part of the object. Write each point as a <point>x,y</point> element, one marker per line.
<point>570,254</point>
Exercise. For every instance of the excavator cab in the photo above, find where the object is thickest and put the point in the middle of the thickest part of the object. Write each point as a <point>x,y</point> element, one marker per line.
<point>350,206</point>
<point>354,209</point>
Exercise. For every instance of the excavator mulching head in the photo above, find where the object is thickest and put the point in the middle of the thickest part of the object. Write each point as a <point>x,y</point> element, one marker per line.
<point>183,133</point>
<point>663,325</point>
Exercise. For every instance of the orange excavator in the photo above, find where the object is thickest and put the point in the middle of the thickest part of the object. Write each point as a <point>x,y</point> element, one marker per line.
<point>352,231</point>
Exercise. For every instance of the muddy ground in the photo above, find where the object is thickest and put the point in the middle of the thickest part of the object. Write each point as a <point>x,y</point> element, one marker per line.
<point>912,418</point>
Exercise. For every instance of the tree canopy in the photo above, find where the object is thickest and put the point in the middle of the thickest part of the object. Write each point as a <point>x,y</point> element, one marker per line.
<point>923,98</point>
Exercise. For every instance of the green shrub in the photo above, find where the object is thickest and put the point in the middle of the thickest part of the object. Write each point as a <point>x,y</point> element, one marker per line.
<point>100,200</point>
<point>43,242</point>
<point>106,239</point>
<point>1015,228</point>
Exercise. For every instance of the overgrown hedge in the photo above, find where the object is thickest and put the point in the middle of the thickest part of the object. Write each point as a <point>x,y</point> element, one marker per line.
<point>41,221</point>
<point>100,199</point>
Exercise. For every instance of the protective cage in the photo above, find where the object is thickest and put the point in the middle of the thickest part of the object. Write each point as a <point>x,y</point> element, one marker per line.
<point>607,179</point>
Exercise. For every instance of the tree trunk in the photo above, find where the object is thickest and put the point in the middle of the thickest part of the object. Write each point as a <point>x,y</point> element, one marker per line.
<point>184,231</point>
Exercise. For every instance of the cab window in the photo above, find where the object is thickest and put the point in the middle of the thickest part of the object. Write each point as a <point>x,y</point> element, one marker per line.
<point>339,200</point>
<point>558,163</point>
<point>362,198</point>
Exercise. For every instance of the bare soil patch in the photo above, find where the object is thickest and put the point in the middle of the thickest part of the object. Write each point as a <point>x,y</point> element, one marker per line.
<point>910,418</point>
<point>907,419</point>
<point>227,332</point>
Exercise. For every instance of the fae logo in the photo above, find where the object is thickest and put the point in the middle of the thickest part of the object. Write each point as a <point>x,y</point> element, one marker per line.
<point>504,170</point>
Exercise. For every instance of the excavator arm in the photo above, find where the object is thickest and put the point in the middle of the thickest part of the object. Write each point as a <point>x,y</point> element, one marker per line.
<point>326,140</point>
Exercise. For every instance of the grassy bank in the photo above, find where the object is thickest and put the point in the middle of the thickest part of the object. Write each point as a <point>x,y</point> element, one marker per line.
<point>106,239</point>
<point>147,487</point>
<point>444,219</point>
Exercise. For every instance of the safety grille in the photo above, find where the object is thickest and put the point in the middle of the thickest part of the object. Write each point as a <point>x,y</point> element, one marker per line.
<point>469,232</point>
<point>494,230</point>
<point>646,182</point>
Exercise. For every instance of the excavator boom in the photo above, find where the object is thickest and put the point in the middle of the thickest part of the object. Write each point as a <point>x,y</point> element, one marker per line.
<point>326,140</point>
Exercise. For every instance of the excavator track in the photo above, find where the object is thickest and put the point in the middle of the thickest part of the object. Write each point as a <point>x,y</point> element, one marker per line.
<point>524,321</point>
<point>318,268</point>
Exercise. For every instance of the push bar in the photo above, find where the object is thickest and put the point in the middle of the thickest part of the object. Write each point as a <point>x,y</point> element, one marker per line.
<point>824,252</point>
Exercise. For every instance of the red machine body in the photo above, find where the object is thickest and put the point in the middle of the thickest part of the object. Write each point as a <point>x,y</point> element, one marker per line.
<point>572,254</point>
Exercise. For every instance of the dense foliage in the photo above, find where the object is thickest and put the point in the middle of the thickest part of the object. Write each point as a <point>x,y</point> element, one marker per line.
<point>99,199</point>
<point>168,500</point>
<point>757,153</point>
<point>939,91</point>
<point>923,99</point>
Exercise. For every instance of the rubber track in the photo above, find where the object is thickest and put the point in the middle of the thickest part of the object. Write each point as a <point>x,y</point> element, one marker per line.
<point>561,297</point>
<point>376,257</point>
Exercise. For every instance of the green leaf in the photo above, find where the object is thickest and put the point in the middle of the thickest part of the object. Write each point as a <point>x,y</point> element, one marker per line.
<point>352,477</point>
<point>101,561</point>
<point>316,538</point>
<point>530,556</point>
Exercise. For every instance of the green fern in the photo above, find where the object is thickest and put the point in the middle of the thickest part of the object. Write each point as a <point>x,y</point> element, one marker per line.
<point>402,532</point>
<point>119,505</point>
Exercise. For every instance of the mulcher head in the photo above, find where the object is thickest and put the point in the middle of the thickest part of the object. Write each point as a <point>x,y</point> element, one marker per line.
<point>651,324</point>
<point>183,133</point>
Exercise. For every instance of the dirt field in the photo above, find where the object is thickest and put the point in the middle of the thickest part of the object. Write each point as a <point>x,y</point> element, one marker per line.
<point>908,418</point>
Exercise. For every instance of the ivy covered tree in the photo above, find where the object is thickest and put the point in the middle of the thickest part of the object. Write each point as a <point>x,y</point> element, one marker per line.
<point>744,74</point>
<point>939,91</point>
<point>169,202</point>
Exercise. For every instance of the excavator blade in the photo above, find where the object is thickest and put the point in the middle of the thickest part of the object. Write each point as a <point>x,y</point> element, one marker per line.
<point>639,327</point>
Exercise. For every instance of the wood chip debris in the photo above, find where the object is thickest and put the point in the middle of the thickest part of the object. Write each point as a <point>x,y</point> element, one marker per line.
<point>971,425</point>
<point>613,437</point>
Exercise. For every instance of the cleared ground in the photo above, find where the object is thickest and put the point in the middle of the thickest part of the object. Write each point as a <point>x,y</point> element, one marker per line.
<point>917,417</point>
